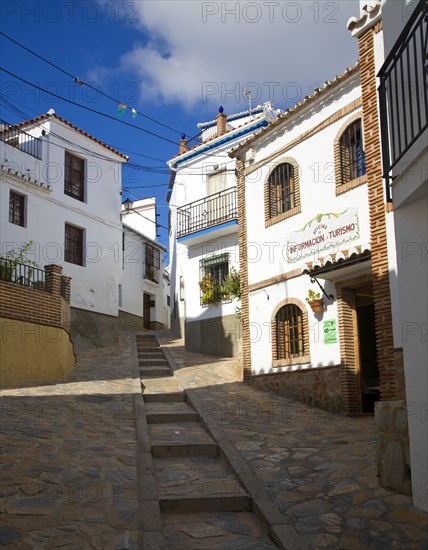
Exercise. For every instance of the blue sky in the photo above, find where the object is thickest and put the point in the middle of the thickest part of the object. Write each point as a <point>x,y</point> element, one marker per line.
<point>174,61</point>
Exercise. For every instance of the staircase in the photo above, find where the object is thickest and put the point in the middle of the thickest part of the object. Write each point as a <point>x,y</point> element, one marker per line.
<point>200,503</point>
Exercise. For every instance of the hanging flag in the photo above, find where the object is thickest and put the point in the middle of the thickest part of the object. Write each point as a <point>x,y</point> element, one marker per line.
<point>121,109</point>
<point>79,82</point>
<point>134,113</point>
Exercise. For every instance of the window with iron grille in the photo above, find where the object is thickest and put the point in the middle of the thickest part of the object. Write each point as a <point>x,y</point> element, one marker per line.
<point>73,246</point>
<point>152,263</point>
<point>289,332</point>
<point>281,189</point>
<point>352,156</point>
<point>74,177</point>
<point>17,208</point>
<point>213,272</point>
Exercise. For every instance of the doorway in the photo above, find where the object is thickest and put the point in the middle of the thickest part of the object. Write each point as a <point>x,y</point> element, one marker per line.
<point>146,311</point>
<point>368,366</point>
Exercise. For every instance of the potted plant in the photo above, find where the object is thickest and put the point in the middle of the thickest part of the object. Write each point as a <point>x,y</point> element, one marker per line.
<point>210,290</point>
<point>315,301</point>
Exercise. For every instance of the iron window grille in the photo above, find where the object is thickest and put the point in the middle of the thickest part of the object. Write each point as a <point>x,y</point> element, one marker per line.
<point>17,209</point>
<point>352,156</point>
<point>281,189</point>
<point>73,246</point>
<point>289,332</point>
<point>74,177</point>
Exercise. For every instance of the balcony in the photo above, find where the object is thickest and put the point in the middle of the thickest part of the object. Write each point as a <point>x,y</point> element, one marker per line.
<point>216,212</point>
<point>20,140</point>
<point>403,96</point>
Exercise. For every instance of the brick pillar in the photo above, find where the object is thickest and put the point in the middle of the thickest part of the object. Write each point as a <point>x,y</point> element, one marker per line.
<point>379,252</point>
<point>66,286</point>
<point>53,278</point>
<point>243,270</point>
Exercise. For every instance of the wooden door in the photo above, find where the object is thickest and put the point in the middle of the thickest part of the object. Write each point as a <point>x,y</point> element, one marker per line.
<point>146,311</point>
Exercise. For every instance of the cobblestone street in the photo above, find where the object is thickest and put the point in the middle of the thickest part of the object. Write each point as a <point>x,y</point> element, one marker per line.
<point>75,470</point>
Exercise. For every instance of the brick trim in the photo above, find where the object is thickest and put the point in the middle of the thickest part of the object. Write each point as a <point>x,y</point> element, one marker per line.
<point>296,181</point>
<point>389,376</point>
<point>348,109</point>
<point>305,328</point>
<point>340,186</point>
<point>243,269</point>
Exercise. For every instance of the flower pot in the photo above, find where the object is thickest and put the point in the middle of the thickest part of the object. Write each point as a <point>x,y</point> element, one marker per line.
<point>317,306</point>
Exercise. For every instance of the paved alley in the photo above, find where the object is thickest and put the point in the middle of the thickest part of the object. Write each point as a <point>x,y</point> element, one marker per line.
<point>95,463</point>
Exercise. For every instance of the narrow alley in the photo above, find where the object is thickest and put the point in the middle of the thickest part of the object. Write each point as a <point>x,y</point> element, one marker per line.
<point>149,446</point>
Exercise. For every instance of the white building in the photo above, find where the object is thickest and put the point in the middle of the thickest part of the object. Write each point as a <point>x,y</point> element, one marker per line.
<point>61,189</point>
<point>402,70</point>
<point>204,232</point>
<point>142,294</point>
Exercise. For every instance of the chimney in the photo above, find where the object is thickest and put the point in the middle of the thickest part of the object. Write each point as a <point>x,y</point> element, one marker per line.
<point>183,145</point>
<point>221,122</point>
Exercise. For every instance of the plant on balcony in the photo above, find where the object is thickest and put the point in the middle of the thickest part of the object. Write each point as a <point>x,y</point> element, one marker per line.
<point>151,274</point>
<point>232,284</point>
<point>211,290</point>
<point>15,257</point>
<point>314,300</point>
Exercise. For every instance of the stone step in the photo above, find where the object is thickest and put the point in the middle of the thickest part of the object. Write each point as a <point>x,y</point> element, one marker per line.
<point>240,530</point>
<point>151,349</point>
<point>151,355</point>
<point>166,413</point>
<point>157,372</point>
<point>195,478</point>
<point>201,450</point>
<point>206,504</point>
<point>170,397</point>
<point>178,433</point>
<point>153,361</point>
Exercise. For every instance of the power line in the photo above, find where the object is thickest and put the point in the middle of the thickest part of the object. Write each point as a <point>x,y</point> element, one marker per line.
<point>86,108</point>
<point>75,79</point>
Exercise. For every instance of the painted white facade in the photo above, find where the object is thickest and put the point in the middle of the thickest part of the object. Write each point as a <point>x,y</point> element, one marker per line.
<point>112,266</point>
<point>48,208</point>
<point>270,249</point>
<point>410,201</point>
<point>193,170</point>
<point>135,283</point>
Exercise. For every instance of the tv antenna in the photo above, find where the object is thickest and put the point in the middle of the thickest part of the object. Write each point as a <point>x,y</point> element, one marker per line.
<point>247,94</point>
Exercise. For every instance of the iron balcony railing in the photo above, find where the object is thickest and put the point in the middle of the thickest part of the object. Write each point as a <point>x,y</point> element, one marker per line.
<point>403,93</point>
<point>21,140</point>
<point>22,274</point>
<point>208,212</point>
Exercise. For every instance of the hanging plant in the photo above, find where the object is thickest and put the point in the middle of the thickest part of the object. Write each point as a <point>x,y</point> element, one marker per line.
<point>211,290</point>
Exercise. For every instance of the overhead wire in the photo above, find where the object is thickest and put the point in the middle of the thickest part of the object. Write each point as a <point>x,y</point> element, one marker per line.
<point>64,71</point>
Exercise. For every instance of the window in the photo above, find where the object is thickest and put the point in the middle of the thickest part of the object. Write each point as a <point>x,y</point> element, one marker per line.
<point>152,264</point>
<point>282,194</point>
<point>352,156</point>
<point>74,181</point>
<point>281,189</point>
<point>17,209</point>
<point>73,246</point>
<point>289,332</point>
<point>119,297</point>
<point>213,272</point>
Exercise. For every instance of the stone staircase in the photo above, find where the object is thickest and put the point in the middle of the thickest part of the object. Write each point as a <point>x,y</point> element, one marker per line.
<point>200,502</point>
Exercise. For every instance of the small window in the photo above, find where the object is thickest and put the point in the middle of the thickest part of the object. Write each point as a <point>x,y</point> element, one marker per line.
<point>74,177</point>
<point>119,298</point>
<point>281,189</point>
<point>352,156</point>
<point>289,332</point>
<point>213,273</point>
<point>73,246</point>
<point>152,263</point>
<point>17,208</point>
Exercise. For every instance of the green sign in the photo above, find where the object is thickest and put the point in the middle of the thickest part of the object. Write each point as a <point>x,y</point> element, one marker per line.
<point>330,331</point>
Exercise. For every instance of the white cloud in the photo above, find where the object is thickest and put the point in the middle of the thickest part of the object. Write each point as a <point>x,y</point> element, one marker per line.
<point>197,51</point>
